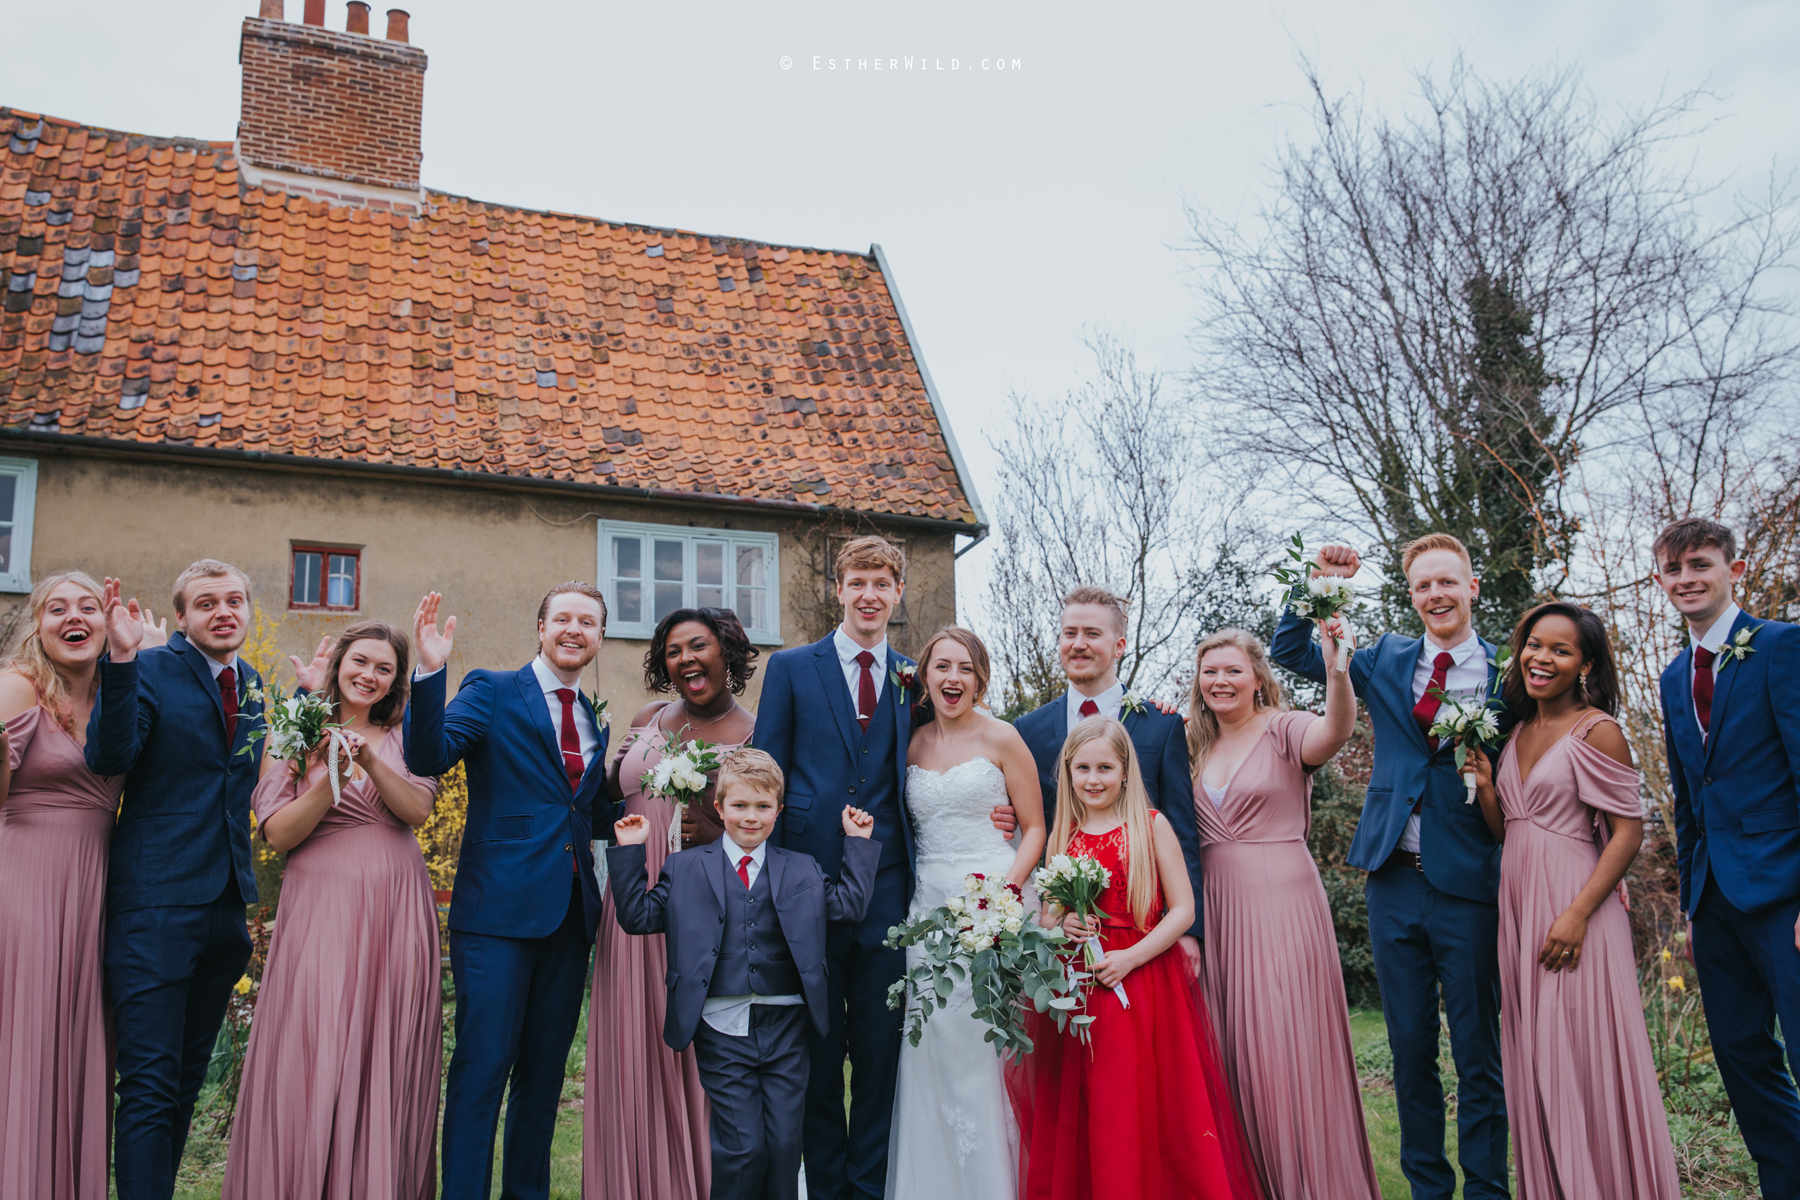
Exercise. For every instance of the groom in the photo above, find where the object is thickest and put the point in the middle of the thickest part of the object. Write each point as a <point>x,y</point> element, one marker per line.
<point>1434,869</point>
<point>1731,720</point>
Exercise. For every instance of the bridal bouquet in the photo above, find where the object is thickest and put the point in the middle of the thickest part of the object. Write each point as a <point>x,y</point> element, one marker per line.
<point>1076,883</point>
<point>1318,597</point>
<point>681,776</point>
<point>295,724</point>
<point>984,937</point>
<point>1471,724</point>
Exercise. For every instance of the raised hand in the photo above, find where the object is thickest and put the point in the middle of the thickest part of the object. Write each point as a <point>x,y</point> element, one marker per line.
<point>156,633</point>
<point>631,831</point>
<point>311,676</point>
<point>857,823</point>
<point>434,647</point>
<point>124,623</point>
<point>1337,560</point>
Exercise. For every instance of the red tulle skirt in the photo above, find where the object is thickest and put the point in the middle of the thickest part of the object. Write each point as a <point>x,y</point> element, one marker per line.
<point>1144,1113</point>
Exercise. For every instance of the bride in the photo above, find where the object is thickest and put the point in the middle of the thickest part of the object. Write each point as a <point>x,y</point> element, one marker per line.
<point>953,1131</point>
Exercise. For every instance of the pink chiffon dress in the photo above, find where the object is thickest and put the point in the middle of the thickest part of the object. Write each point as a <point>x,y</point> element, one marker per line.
<point>55,1053</point>
<point>1581,1093</point>
<point>645,1119</point>
<point>1272,978</point>
<point>339,1097</point>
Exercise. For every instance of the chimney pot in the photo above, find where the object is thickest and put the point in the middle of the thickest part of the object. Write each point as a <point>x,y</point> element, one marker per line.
<point>359,18</point>
<point>397,18</point>
<point>314,12</point>
<point>272,10</point>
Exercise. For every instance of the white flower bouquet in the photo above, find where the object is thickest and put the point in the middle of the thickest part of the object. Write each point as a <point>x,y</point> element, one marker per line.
<point>1075,882</point>
<point>293,725</point>
<point>984,937</point>
<point>1318,597</point>
<point>1476,725</point>
<point>681,774</point>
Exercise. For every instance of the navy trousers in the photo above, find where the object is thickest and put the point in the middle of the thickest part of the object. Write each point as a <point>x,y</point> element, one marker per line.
<point>1750,978</point>
<point>518,1001</point>
<point>169,975</point>
<point>1428,942</point>
<point>845,1163</point>
<point>756,1086</point>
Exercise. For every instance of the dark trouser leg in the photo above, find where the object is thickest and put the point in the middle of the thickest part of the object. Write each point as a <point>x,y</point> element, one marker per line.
<point>492,975</point>
<point>825,1138</point>
<point>1749,974</point>
<point>780,1034</point>
<point>1398,898</point>
<point>553,1010</point>
<point>1465,942</point>
<point>873,1034</point>
<point>730,1073</point>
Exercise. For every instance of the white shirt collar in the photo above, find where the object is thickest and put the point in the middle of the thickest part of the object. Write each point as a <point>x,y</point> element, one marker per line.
<point>547,678</point>
<point>737,852</point>
<point>1718,631</point>
<point>847,649</point>
<point>1107,702</point>
<point>1459,653</point>
<point>215,666</point>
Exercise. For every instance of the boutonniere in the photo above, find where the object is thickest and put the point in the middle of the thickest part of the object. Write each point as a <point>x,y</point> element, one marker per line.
<point>1130,703</point>
<point>1739,647</point>
<point>905,677</point>
<point>602,717</point>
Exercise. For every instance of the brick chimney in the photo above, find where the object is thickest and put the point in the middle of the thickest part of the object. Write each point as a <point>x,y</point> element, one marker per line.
<point>331,115</point>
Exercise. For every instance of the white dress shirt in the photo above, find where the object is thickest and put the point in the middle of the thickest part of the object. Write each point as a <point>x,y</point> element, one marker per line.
<point>584,731</point>
<point>1465,681</point>
<point>847,650</point>
<point>1713,639</point>
<point>730,1015</point>
<point>218,668</point>
<point>1108,703</point>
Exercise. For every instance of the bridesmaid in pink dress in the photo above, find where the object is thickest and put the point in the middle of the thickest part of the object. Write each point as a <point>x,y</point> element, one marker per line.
<point>644,1122</point>
<point>56,823</point>
<point>340,1091</point>
<point>1581,1093</point>
<point>1271,969</point>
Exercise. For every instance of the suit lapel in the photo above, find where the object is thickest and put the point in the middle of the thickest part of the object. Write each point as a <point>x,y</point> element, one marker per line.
<point>715,874</point>
<point>775,868</point>
<point>196,662</point>
<point>1686,728</point>
<point>837,695</point>
<point>1050,730</point>
<point>599,760</point>
<point>1400,666</point>
<point>902,721</point>
<point>538,709</point>
<point>1722,690</point>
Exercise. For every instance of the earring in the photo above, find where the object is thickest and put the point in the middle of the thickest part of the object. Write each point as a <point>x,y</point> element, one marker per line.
<point>1258,698</point>
<point>1582,681</point>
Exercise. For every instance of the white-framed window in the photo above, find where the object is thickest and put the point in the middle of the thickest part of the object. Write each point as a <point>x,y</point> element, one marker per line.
<point>18,503</point>
<point>649,571</point>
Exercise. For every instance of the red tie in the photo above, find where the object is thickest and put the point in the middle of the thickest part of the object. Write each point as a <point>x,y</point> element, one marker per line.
<point>571,741</point>
<point>865,695</point>
<point>1426,710</point>
<point>228,701</point>
<point>1703,686</point>
<point>744,870</point>
<point>1088,708</point>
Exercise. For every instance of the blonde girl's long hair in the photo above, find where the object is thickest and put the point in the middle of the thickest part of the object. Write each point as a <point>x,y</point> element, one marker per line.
<point>34,664</point>
<point>1203,723</point>
<point>1133,804</point>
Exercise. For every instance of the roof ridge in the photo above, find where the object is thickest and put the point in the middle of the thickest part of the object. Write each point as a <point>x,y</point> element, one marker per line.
<point>190,143</point>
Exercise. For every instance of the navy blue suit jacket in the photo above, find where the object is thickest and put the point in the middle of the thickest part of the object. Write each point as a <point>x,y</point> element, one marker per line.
<point>1160,740</point>
<point>1737,791</point>
<point>1458,854</point>
<point>184,824</point>
<point>524,827</point>
<point>805,723</point>
<point>688,904</point>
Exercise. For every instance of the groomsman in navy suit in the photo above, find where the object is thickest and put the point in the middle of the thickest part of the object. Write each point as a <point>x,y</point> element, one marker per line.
<point>1731,718</point>
<point>525,905</point>
<point>173,720</point>
<point>1090,642</point>
<point>1434,869</point>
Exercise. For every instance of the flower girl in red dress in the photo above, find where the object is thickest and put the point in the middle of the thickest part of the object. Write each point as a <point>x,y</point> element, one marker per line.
<point>1144,1111</point>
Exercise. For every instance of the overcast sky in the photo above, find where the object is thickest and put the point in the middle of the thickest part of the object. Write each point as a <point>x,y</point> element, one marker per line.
<point>1018,207</point>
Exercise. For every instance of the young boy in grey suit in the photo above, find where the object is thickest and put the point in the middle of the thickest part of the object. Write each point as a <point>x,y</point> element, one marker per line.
<point>745,923</point>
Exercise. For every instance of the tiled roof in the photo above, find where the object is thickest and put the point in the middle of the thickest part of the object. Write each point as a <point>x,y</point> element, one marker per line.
<point>148,298</point>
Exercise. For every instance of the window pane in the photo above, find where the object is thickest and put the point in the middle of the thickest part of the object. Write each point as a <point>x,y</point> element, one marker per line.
<point>667,563</point>
<point>751,600</point>
<point>9,490</point>
<point>628,568</point>
<point>628,558</point>
<point>340,591</point>
<point>628,594</point>
<point>5,548</point>
<point>306,577</point>
<point>709,574</point>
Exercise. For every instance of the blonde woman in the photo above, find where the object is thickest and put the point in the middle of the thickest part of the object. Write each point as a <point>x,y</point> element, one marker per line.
<point>1272,978</point>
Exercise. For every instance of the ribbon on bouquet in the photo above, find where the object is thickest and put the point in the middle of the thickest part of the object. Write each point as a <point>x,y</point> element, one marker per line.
<point>1096,957</point>
<point>1345,636</point>
<point>336,740</point>
<point>675,827</point>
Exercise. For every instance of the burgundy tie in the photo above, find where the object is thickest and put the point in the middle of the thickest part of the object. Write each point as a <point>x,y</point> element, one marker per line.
<point>865,692</point>
<point>744,869</point>
<point>1426,710</point>
<point>1703,686</point>
<point>571,741</point>
<point>228,701</point>
<point>1088,708</point>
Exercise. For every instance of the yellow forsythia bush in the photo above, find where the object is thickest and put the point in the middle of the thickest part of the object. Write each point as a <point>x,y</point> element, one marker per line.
<point>441,836</point>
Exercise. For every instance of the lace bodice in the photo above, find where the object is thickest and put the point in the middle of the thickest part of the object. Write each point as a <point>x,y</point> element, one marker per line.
<point>952,810</point>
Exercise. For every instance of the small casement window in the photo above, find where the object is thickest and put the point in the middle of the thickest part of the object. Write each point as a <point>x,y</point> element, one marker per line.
<point>326,578</point>
<point>649,571</point>
<point>18,502</point>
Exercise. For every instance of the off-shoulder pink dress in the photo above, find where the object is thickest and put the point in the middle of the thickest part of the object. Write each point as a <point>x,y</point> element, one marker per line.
<point>1273,981</point>
<point>339,1098</point>
<point>55,1056</point>
<point>644,1121</point>
<point>1581,1092</point>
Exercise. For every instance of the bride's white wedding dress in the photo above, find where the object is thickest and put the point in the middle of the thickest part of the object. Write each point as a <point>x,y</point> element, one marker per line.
<point>953,1131</point>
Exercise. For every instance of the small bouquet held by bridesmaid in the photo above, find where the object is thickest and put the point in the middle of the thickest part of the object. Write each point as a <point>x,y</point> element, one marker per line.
<point>681,775</point>
<point>1476,725</point>
<point>983,937</point>
<point>295,724</point>
<point>1075,882</point>
<point>1318,597</point>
